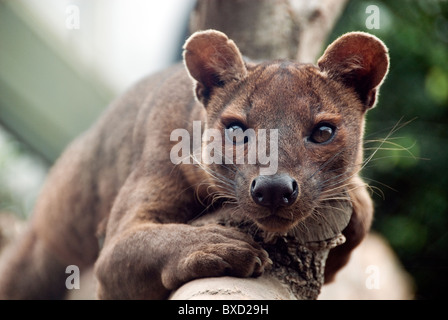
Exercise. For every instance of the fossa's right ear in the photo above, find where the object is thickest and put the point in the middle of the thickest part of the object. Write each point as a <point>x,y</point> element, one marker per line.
<point>360,60</point>
<point>212,60</point>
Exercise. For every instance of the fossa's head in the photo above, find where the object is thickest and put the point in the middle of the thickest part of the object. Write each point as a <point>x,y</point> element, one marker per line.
<point>303,122</point>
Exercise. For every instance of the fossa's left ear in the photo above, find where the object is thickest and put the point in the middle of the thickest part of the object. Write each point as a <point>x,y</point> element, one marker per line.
<point>212,60</point>
<point>359,60</point>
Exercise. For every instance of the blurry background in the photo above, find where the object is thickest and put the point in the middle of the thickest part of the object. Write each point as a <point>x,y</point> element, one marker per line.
<point>62,62</point>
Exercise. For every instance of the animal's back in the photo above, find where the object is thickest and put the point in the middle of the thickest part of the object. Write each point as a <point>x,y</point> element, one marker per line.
<point>71,213</point>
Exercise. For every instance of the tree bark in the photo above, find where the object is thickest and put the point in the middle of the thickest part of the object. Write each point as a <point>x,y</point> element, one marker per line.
<point>271,29</point>
<point>298,258</point>
<point>274,29</point>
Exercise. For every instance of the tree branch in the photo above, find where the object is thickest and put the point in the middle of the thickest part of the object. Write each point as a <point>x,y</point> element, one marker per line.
<point>298,258</point>
<point>271,29</point>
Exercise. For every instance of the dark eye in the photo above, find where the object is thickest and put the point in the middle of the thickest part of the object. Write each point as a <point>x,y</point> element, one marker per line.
<point>235,133</point>
<point>322,133</point>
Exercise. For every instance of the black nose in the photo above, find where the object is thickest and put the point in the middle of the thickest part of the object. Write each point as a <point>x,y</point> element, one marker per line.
<point>274,191</point>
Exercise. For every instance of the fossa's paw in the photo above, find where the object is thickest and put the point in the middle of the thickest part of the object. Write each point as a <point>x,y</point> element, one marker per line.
<point>215,251</point>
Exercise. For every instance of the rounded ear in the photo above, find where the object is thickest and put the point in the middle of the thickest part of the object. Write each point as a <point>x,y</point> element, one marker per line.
<point>212,60</point>
<point>360,60</point>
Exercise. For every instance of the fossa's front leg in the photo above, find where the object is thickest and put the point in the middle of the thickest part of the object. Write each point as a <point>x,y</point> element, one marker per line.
<point>144,259</point>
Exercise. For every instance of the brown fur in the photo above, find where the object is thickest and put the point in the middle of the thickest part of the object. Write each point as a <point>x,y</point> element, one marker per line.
<point>117,181</point>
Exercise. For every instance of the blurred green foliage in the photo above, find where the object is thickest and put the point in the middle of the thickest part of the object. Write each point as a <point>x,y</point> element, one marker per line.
<point>409,174</point>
